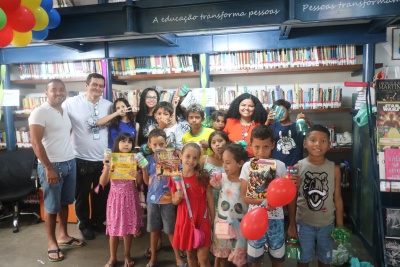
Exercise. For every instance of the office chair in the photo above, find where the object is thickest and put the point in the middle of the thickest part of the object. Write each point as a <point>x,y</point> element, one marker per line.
<point>18,179</point>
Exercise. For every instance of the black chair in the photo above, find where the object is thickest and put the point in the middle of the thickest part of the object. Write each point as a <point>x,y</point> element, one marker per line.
<point>18,179</point>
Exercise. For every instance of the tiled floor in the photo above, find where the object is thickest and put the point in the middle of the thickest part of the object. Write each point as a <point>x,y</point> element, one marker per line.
<point>28,249</point>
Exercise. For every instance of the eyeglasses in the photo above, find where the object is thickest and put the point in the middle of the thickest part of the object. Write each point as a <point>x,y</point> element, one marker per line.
<point>151,97</point>
<point>96,109</point>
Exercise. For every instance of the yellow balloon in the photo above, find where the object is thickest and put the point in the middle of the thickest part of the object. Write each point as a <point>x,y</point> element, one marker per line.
<point>42,19</point>
<point>31,4</point>
<point>21,39</point>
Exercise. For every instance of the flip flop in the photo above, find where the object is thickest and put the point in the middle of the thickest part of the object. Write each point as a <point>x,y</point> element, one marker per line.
<point>182,253</point>
<point>79,243</point>
<point>129,262</point>
<point>182,265</point>
<point>139,234</point>
<point>55,251</point>
<point>147,252</point>
<point>110,265</point>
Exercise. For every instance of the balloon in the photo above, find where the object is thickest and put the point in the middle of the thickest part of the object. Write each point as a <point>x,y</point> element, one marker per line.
<point>21,39</point>
<point>22,19</point>
<point>280,192</point>
<point>31,4</point>
<point>40,35</point>
<point>3,19</point>
<point>42,19</point>
<point>54,19</point>
<point>254,224</point>
<point>6,35</point>
<point>47,5</point>
<point>9,5</point>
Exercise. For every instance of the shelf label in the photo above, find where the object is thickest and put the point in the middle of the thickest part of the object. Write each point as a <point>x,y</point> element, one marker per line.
<point>10,98</point>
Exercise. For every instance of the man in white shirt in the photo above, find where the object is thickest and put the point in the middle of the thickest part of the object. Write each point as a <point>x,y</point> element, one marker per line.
<point>89,142</point>
<point>50,129</point>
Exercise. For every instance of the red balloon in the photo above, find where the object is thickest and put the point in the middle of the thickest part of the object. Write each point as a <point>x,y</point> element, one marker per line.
<point>6,35</point>
<point>280,192</point>
<point>254,224</point>
<point>9,5</point>
<point>22,19</point>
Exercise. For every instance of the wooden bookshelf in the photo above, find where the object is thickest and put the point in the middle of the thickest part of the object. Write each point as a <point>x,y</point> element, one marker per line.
<point>46,81</point>
<point>143,77</point>
<point>22,116</point>
<point>340,150</point>
<point>320,110</point>
<point>296,70</point>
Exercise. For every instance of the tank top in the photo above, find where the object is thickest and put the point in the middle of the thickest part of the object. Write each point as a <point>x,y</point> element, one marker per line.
<point>315,204</point>
<point>210,167</point>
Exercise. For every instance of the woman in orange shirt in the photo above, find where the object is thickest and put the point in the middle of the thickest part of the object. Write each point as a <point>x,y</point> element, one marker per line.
<point>245,112</point>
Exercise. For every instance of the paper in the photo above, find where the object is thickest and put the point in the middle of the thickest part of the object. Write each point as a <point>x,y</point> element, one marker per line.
<point>11,98</point>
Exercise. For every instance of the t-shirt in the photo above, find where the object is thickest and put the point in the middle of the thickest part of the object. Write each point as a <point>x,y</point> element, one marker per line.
<point>236,132</point>
<point>203,135</point>
<point>83,118</point>
<point>174,136</point>
<point>56,137</point>
<point>288,144</point>
<point>124,127</point>
<point>159,192</point>
<point>146,123</point>
<point>280,172</point>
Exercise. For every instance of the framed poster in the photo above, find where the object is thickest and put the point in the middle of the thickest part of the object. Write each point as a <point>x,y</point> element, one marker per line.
<point>395,43</point>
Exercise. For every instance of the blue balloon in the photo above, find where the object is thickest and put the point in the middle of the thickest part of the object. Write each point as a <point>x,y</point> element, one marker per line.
<point>54,19</point>
<point>40,35</point>
<point>47,5</point>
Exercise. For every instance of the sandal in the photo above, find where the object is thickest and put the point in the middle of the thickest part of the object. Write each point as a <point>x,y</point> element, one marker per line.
<point>182,253</point>
<point>73,243</point>
<point>55,251</point>
<point>129,262</point>
<point>110,264</point>
<point>139,234</point>
<point>147,252</point>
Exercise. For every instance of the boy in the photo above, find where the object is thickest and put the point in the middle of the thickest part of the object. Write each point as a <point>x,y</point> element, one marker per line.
<point>289,143</point>
<point>261,141</point>
<point>197,133</point>
<point>161,212</point>
<point>218,120</point>
<point>163,113</point>
<point>319,200</point>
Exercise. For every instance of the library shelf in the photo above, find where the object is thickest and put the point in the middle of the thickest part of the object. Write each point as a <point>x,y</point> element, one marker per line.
<point>339,150</point>
<point>22,116</point>
<point>320,110</point>
<point>293,70</point>
<point>46,81</point>
<point>143,77</point>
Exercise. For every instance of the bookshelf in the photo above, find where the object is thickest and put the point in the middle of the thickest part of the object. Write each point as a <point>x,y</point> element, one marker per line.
<point>320,110</point>
<point>46,81</point>
<point>144,77</point>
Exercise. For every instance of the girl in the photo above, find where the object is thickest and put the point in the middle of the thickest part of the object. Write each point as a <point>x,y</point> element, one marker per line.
<point>124,216</point>
<point>121,121</point>
<point>218,120</point>
<point>199,197</point>
<point>231,209</point>
<point>148,100</point>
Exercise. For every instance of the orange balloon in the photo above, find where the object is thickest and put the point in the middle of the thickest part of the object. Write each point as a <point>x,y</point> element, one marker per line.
<point>280,192</point>
<point>254,224</point>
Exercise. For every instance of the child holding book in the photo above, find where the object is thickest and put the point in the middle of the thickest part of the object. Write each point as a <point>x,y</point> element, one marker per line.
<point>319,202</point>
<point>192,199</point>
<point>230,248</point>
<point>255,177</point>
<point>198,133</point>
<point>124,217</point>
<point>218,120</point>
<point>160,210</point>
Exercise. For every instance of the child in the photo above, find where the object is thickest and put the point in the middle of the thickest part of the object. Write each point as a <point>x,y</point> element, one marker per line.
<point>160,210</point>
<point>262,143</point>
<point>197,133</point>
<point>124,216</point>
<point>319,200</point>
<point>121,121</point>
<point>233,249</point>
<point>199,196</point>
<point>163,113</point>
<point>289,143</point>
<point>218,120</point>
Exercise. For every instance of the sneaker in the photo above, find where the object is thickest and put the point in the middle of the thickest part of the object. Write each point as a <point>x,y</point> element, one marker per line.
<point>100,228</point>
<point>87,233</point>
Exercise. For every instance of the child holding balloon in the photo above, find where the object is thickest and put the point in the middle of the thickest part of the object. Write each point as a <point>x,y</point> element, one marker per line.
<point>262,143</point>
<point>228,242</point>
<point>319,202</point>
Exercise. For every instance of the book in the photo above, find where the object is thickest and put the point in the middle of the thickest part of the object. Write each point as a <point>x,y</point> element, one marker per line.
<point>123,166</point>
<point>167,162</point>
<point>392,251</point>
<point>393,223</point>
<point>392,168</point>
<point>261,174</point>
<point>387,90</point>
<point>388,123</point>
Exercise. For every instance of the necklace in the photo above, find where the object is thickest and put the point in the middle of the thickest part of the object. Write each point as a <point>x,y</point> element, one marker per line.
<point>245,130</point>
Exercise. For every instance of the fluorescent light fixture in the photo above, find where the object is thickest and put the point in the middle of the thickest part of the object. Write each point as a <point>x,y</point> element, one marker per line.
<point>229,31</point>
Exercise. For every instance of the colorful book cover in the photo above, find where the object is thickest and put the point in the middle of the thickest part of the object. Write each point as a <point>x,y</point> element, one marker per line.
<point>261,173</point>
<point>167,162</point>
<point>393,223</point>
<point>123,166</point>
<point>388,123</point>
<point>387,90</point>
<point>392,168</point>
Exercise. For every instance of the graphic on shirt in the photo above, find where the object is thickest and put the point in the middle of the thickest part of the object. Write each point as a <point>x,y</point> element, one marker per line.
<point>148,126</point>
<point>285,143</point>
<point>171,140</point>
<point>90,123</point>
<point>315,189</point>
<point>261,174</point>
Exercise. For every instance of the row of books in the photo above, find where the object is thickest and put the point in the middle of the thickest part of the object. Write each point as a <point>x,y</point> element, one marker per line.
<point>153,65</point>
<point>21,135</point>
<point>60,70</point>
<point>284,58</point>
<point>29,103</point>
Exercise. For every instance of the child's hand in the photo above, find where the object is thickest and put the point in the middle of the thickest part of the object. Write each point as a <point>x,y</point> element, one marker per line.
<point>204,144</point>
<point>302,116</point>
<point>122,112</point>
<point>163,122</point>
<point>270,118</point>
<point>177,197</point>
<point>292,231</point>
<point>295,178</point>
<point>269,207</point>
<point>175,100</point>
<point>106,160</point>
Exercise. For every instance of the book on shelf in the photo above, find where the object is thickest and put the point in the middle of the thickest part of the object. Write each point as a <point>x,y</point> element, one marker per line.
<point>393,223</point>
<point>388,124</point>
<point>392,246</point>
<point>392,169</point>
<point>387,90</point>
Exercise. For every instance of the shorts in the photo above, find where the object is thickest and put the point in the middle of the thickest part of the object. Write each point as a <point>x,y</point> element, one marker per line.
<point>315,238</point>
<point>62,193</point>
<point>274,238</point>
<point>161,216</point>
